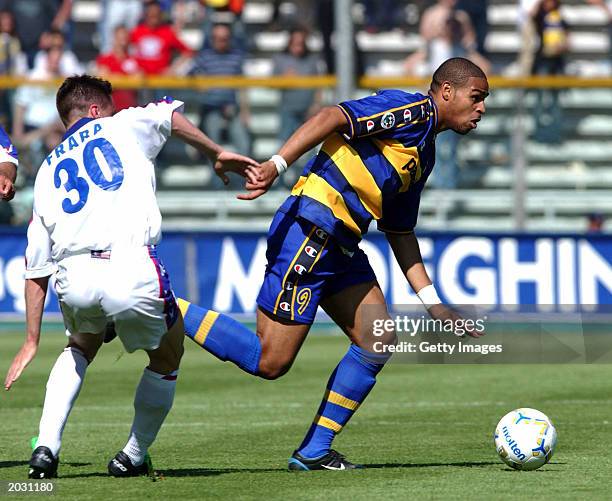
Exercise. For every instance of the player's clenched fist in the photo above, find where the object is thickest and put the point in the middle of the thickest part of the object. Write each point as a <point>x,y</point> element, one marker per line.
<point>265,174</point>
<point>7,188</point>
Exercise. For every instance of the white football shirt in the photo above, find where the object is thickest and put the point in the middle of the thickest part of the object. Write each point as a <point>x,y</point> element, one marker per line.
<point>96,190</point>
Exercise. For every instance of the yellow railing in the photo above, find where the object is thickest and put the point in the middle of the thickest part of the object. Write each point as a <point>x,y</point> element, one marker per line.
<point>324,81</point>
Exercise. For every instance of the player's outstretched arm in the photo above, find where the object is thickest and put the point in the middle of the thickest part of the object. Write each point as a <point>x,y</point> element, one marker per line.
<point>8,174</point>
<point>223,161</point>
<point>408,255</point>
<point>313,132</point>
<point>35,293</point>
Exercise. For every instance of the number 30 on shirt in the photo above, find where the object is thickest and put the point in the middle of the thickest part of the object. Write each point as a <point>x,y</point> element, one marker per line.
<point>92,167</point>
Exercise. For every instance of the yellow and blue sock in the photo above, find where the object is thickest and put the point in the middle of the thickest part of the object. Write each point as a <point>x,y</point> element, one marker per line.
<point>222,336</point>
<point>347,388</point>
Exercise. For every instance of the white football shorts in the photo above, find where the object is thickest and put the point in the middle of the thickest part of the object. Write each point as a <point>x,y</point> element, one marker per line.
<point>128,286</point>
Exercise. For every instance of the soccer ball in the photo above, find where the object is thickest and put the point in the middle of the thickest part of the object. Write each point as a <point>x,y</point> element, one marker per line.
<point>525,439</point>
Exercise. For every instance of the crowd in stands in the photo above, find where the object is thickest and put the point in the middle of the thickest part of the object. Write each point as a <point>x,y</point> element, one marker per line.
<point>144,37</point>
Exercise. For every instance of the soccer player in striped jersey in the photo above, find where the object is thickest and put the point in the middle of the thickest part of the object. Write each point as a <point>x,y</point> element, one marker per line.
<point>8,166</point>
<point>376,156</point>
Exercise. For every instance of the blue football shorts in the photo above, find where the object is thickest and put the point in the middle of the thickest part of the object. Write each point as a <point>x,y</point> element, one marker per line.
<point>304,266</point>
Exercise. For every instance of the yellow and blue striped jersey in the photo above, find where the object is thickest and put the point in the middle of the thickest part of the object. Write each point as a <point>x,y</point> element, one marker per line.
<point>376,171</point>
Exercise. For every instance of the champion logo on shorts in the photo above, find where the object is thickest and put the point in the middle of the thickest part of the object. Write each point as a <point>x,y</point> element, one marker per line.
<point>407,115</point>
<point>302,264</point>
<point>370,125</point>
<point>311,251</point>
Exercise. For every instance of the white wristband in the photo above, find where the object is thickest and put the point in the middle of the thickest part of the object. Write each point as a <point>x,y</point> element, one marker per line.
<point>281,164</point>
<point>429,296</point>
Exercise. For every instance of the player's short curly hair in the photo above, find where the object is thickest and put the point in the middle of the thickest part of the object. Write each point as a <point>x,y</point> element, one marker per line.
<point>79,92</point>
<point>457,71</point>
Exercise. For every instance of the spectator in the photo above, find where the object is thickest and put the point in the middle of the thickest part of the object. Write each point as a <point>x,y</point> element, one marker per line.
<point>477,11</point>
<point>526,28</point>
<point>154,42</point>
<point>297,105</point>
<point>34,17</point>
<point>12,61</point>
<point>119,62</point>
<point>552,32</point>
<point>36,126</point>
<point>114,13</point>
<point>223,108</point>
<point>69,64</point>
<point>447,32</point>
<point>224,12</point>
<point>380,15</point>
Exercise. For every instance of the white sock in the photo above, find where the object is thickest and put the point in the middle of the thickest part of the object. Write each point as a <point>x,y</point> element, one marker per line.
<point>152,402</point>
<point>63,388</point>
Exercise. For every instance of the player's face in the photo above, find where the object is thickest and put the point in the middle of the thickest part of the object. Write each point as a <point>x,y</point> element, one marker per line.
<point>467,105</point>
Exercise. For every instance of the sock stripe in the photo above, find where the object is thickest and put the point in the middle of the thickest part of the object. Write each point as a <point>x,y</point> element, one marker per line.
<point>207,323</point>
<point>183,306</point>
<point>328,423</point>
<point>347,403</point>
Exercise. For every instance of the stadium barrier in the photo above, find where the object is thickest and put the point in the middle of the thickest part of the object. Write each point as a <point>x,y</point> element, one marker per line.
<point>322,81</point>
<point>223,271</point>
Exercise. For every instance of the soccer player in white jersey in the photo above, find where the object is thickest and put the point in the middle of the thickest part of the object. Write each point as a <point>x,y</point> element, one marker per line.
<point>95,226</point>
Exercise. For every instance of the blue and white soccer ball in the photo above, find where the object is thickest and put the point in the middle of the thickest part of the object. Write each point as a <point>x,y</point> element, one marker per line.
<point>525,439</point>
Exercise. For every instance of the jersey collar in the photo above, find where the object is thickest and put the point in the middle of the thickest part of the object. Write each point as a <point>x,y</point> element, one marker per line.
<point>76,126</point>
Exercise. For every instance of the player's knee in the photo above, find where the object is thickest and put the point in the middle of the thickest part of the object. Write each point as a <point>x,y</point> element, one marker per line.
<point>273,369</point>
<point>387,339</point>
<point>89,350</point>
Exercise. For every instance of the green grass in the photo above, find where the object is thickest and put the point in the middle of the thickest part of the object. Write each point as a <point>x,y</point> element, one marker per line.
<point>425,431</point>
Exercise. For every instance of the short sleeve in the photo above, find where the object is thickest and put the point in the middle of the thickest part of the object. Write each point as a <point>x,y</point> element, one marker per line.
<point>8,152</point>
<point>400,213</point>
<point>38,253</point>
<point>151,124</point>
<point>385,112</point>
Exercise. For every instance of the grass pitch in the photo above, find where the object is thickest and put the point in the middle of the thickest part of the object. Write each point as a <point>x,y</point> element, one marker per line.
<point>424,432</point>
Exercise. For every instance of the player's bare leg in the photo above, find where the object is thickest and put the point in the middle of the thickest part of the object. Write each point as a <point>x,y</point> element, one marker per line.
<point>152,403</point>
<point>63,387</point>
<point>267,352</point>
<point>354,310</point>
<point>280,344</point>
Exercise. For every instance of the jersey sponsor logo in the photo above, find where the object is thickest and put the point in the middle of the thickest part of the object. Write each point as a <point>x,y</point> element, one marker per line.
<point>388,120</point>
<point>370,125</point>
<point>285,306</point>
<point>299,269</point>
<point>311,251</point>
<point>407,115</point>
